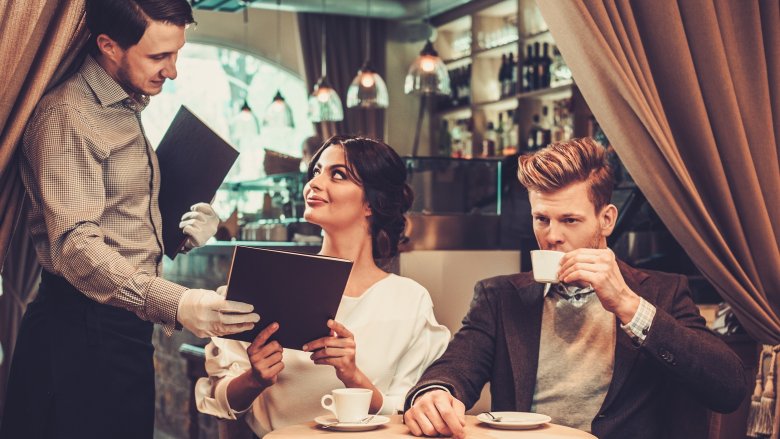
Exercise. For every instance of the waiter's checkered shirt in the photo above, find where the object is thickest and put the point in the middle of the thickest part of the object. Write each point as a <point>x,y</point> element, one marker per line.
<point>93,180</point>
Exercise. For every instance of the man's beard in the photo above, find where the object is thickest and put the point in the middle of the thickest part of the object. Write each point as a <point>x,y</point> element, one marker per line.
<point>124,80</point>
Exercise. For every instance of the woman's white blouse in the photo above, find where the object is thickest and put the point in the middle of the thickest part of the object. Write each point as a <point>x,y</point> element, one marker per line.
<point>396,337</point>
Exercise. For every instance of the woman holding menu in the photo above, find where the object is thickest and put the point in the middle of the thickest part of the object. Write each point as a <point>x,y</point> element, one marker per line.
<point>384,334</point>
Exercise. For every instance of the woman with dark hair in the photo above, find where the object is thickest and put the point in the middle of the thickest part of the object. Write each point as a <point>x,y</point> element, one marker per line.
<point>384,334</point>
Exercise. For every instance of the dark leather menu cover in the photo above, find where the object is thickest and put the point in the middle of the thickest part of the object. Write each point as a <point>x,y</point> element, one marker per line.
<point>299,291</point>
<point>194,161</point>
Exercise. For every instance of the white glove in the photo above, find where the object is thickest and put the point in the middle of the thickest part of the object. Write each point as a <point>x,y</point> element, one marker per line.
<point>199,224</point>
<point>206,313</point>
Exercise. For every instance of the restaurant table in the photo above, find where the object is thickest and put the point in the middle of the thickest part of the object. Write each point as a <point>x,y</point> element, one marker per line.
<point>396,429</point>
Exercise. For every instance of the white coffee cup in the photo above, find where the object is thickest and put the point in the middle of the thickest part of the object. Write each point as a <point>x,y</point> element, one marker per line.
<point>349,405</point>
<point>546,264</point>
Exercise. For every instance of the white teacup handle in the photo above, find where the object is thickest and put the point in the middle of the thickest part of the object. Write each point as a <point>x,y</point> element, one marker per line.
<point>329,405</point>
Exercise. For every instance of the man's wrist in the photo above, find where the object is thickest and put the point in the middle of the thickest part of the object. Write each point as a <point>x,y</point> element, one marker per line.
<point>628,307</point>
<point>427,389</point>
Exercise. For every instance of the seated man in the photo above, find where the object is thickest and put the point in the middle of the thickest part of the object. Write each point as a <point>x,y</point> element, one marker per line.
<point>611,350</point>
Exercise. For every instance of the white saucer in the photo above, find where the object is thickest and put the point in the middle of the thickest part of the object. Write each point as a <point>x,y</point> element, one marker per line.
<point>332,423</point>
<point>514,420</point>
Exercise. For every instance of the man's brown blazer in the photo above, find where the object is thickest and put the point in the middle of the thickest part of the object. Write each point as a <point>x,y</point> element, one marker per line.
<point>660,389</point>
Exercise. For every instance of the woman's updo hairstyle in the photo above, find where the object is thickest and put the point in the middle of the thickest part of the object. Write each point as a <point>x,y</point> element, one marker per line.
<point>380,171</point>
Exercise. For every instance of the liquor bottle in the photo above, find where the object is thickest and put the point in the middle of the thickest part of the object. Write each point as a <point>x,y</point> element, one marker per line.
<point>543,67</point>
<point>456,136</point>
<point>531,139</point>
<point>536,82</point>
<point>489,141</point>
<point>454,95</point>
<point>543,133</point>
<point>468,138</point>
<point>500,135</point>
<point>512,75</point>
<point>510,133</point>
<point>559,71</point>
<point>467,86</point>
<point>445,140</point>
<point>502,76</point>
<point>527,69</point>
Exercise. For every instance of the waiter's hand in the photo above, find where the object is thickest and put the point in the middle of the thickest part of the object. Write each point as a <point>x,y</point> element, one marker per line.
<point>436,413</point>
<point>199,224</point>
<point>207,313</point>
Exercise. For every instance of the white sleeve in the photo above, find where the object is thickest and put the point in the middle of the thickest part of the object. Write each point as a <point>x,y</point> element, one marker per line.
<point>225,360</point>
<point>429,340</point>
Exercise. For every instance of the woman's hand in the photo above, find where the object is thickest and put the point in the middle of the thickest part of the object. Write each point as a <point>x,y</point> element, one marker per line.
<point>266,358</point>
<point>337,350</point>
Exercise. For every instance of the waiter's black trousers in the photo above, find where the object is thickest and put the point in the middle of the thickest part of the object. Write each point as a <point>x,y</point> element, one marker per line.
<point>80,370</point>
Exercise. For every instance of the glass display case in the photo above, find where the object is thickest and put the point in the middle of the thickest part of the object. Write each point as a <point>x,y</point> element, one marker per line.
<point>457,203</point>
<point>452,186</point>
<point>266,209</point>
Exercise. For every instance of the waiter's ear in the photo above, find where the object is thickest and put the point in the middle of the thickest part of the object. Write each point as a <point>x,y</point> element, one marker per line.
<point>109,48</point>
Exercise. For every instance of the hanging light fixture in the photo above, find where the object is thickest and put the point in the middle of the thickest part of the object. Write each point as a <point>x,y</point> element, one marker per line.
<point>279,113</point>
<point>324,102</point>
<point>245,114</point>
<point>427,75</point>
<point>368,89</point>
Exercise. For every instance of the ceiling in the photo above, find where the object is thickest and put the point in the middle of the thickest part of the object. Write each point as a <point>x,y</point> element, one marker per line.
<point>390,9</point>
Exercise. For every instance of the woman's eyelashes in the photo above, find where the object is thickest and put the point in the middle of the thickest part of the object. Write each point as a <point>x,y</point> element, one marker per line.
<point>336,173</point>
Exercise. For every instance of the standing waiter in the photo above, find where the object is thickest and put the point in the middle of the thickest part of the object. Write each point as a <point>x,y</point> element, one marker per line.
<point>82,366</point>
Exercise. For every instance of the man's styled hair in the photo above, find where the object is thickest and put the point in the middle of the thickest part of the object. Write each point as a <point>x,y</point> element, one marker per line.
<point>125,21</point>
<point>563,163</point>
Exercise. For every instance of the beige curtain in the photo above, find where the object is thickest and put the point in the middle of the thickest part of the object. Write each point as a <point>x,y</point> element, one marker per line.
<point>688,93</point>
<point>39,46</point>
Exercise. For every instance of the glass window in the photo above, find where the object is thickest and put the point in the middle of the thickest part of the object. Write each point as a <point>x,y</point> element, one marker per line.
<point>214,82</point>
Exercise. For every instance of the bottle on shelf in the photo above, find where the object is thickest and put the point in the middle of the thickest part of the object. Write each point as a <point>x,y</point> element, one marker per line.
<point>502,77</point>
<point>499,149</point>
<point>531,143</point>
<point>559,70</point>
<point>511,75</point>
<point>454,92</point>
<point>445,139</point>
<point>510,134</point>
<point>536,79</point>
<point>489,141</point>
<point>466,83</point>
<point>456,137</point>
<point>543,133</point>
<point>562,123</point>
<point>527,69</point>
<point>543,67</point>
<point>468,139</point>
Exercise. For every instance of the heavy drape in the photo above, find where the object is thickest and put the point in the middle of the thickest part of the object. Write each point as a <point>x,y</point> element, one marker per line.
<point>688,93</point>
<point>39,45</point>
<point>346,48</point>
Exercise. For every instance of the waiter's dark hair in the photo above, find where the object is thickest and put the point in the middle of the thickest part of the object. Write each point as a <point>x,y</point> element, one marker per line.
<point>377,168</point>
<point>125,21</point>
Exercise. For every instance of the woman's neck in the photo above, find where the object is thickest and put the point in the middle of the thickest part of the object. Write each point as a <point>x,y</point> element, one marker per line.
<point>354,245</point>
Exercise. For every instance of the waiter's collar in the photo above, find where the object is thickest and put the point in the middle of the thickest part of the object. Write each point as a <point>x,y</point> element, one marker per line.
<point>106,89</point>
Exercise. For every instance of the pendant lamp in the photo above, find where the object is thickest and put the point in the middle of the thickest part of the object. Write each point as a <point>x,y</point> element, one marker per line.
<point>279,113</point>
<point>324,102</point>
<point>368,89</point>
<point>427,75</point>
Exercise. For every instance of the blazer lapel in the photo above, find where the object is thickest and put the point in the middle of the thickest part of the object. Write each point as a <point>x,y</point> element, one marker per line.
<point>626,353</point>
<point>522,315</point>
